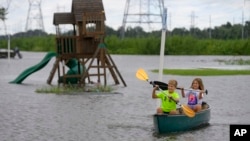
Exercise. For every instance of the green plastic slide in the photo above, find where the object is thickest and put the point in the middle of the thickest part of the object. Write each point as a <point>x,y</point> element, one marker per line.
<point>34,68</point>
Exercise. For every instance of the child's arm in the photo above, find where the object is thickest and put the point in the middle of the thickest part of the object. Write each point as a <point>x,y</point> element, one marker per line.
<point>182,92</point>
<point>153,92</point>
<point>201,94</point>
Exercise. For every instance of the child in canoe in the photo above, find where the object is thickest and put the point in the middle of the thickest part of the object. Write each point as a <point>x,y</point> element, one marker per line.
<point>195,94</point>
<point>169,98</point>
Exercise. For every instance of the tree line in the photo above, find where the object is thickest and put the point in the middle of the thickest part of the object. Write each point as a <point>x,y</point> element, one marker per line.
<point>225,40</point>
<point>224,32</point>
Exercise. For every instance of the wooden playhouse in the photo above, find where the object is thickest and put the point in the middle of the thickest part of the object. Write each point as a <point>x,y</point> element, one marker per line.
<point>85,45</point>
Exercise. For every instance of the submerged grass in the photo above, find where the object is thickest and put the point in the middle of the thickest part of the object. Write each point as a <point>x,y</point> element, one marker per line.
<point>235,61</point>
<point>203,72</point>
<point>71,89</point>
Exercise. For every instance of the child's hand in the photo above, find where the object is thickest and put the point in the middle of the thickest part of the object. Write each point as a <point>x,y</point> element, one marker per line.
<point>156,87</point>
<point>170,97</point>
<point>182,88</point>
<point>202,91</point>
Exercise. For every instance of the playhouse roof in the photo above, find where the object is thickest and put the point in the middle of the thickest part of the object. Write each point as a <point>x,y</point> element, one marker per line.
<point>63,18</point>
<point>78,8</point>
<point>81,6</point>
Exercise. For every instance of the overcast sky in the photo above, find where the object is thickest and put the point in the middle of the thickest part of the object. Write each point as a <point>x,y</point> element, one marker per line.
<point>181,13</point>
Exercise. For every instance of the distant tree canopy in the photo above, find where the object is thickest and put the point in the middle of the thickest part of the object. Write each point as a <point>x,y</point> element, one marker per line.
<point>226,39</point>
<point>3,14</point>
<point>224,32</point>
<point>31,33</point>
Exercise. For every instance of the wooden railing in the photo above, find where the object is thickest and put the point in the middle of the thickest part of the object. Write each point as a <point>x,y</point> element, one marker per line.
<point>66,44</point>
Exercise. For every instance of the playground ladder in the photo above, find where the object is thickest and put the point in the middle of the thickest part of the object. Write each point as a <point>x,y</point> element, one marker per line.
<point>106,61</point>
<point>52,73</point>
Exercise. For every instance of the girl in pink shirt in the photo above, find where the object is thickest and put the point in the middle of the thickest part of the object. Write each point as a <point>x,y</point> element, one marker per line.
<point>195,94</point>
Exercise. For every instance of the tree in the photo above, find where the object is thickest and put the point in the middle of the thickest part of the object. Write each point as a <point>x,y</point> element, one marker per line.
<point>110,31</point>
<point>180,31</point>
<point>3,13</point>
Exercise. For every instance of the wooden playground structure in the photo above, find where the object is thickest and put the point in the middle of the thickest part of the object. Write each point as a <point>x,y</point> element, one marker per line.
<point>85,45</point>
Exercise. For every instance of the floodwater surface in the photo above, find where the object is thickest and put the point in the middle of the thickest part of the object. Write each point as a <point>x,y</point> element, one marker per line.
<point>122,116</point>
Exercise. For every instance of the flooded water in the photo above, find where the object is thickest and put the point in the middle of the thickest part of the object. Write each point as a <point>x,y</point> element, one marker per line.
<point>125,116</point>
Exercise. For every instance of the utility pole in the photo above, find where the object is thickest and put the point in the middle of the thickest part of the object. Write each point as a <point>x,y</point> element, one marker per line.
<point>163,38</point>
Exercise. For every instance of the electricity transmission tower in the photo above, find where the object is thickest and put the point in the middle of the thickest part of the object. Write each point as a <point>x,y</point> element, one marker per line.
<point>243,20</point>
<point>138,12</point>
<point>34,17</point>
<point>192,26</point>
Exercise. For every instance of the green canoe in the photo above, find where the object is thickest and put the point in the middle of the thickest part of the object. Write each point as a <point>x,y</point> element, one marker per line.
<point>165,123</point>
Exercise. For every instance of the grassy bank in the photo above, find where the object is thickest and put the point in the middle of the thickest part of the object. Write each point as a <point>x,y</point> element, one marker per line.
<point>203,72</point>
<point>178,45</point>
<point>175,45</point>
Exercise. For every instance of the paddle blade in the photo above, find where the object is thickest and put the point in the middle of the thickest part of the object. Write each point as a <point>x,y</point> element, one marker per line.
<point>162,85</point>
<point>142,75</point>
<point>206,92</point>
<point>188,111</point>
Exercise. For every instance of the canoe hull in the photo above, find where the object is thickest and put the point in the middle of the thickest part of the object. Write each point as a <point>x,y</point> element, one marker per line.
<point>177,123</point>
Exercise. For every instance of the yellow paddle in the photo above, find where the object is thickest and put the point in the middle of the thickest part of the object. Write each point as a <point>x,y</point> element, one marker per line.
<point>142,75</point>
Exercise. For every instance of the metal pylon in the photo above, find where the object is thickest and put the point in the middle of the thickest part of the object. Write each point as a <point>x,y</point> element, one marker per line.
<point>34,17</point>
<point>139,12</point>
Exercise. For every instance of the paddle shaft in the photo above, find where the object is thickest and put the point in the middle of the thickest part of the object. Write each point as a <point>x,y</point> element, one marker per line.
<point>206,92</point>
<point>162,84</point>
